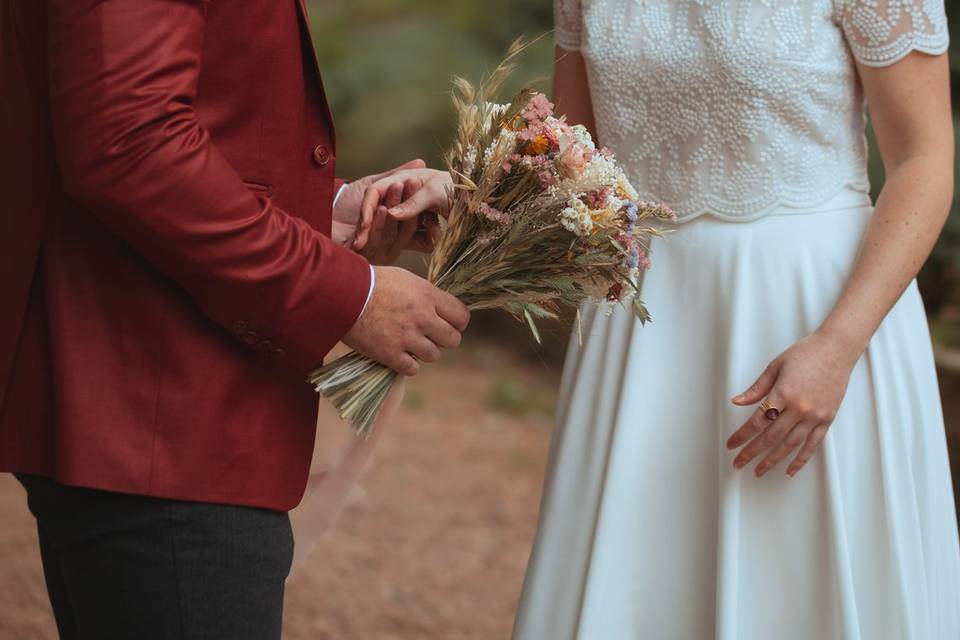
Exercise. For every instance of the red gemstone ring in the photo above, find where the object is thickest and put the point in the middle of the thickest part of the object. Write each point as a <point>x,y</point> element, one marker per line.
<point>770,412</point>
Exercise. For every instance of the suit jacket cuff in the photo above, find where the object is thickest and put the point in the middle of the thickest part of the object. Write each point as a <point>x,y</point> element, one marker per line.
<point>340,299</point>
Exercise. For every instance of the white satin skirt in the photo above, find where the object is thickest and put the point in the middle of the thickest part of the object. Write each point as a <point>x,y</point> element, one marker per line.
<point>647,532</point>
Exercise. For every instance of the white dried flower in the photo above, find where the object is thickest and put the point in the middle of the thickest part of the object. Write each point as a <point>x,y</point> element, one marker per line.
<point>470,162</point>
<point>583,136</point>
<point>576,218</point>
<point>598,173</point>
<point>505,144</point>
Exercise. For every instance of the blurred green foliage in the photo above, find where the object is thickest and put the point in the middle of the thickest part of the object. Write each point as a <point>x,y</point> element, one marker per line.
<point>510,395</point>
<point>388,65</point>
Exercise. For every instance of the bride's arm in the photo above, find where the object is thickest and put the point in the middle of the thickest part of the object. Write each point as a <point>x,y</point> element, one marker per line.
<point>571,90</point>
<point>910,110</point>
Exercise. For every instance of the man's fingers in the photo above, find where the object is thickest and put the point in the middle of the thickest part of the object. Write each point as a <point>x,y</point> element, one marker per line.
<point>388,236</point>
<point>425,350</point>
<point>405,236</point>
<point>405,365</point>
<point>452,310</point>
<point>444,334</point>
<point>376,233</point>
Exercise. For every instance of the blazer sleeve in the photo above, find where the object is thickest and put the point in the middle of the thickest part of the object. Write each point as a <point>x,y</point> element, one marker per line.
<point>123,78</point>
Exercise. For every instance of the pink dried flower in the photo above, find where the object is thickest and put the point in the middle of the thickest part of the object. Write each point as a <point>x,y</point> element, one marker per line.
<point>529,134</point>
<point>552,137</point>
<point>573,160</point>
<point>534,163</point>
<point>598,199</point>
<point>539,108</point>
<point>626,240</point>
<point>494,215</point>
<point>548,178</point>
<point>644,260</point>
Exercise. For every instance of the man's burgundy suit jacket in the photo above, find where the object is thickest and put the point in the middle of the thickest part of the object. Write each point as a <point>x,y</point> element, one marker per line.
<point>166,276</point>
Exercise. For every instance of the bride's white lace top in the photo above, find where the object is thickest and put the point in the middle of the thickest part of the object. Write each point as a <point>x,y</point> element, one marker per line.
<point>737,107</point>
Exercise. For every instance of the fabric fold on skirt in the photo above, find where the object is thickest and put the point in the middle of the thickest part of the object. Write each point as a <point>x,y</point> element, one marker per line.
<point>647,531</point>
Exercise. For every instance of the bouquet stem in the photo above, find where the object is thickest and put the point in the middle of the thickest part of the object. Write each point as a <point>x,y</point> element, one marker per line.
<point>357,386</point>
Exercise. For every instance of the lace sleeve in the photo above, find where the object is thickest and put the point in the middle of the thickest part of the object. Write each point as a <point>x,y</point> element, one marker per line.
<point>882,32</point>
<point>568,21</point>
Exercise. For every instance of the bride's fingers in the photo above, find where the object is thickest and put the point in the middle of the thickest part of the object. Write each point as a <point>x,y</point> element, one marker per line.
<point>790,442</point>
<point>410,165</point>
<point>756,424</point>
<point>761,388</point>
<point>767,439</point>
<point>388,233</point>
<point>406,228</point>
<point>814,440</point>
<point>428,231</point>
<point>368,209</point>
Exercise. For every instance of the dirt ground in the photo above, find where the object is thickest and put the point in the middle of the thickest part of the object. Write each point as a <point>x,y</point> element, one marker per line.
<point>436,546</point>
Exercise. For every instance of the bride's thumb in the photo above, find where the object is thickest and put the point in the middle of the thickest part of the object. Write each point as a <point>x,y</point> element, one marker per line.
<point>759,389</point>
<point>412,206</point>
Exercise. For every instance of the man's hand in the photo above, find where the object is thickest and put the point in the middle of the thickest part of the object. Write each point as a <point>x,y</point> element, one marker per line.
<point>346,213</point>
<point>407,319</point>
<point>398,201</point>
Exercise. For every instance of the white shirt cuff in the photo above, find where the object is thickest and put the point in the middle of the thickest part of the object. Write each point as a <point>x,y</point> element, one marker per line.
<point>373,282</point>
<point>339,193</point>
<point>373,272</point>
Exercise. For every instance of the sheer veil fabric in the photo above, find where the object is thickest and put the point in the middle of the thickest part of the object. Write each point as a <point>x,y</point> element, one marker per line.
<point>339,461</point>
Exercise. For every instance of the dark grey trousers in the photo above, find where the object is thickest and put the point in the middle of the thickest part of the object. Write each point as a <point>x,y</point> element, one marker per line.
<point>123,567</point>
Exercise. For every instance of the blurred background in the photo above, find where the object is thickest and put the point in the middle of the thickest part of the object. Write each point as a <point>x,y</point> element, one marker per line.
<point>435,544</point>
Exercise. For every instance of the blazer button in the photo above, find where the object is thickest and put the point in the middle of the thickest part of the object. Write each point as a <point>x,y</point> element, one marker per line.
<point>239,327</point>
<point>278,353</point>
<point>321,155</point>
<point>264,347</point>
<point>250,338</point>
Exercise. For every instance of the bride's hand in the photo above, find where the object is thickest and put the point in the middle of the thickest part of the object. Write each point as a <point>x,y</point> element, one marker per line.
<point>425,195</point>
<point>803,387</point>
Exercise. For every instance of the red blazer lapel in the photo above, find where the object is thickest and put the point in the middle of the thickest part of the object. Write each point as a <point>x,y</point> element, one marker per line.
<point>315,65</point>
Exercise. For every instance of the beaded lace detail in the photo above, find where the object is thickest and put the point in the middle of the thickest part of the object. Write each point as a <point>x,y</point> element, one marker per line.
<point>737,107</point>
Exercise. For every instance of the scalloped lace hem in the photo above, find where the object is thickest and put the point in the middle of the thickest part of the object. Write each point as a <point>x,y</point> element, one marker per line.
<point>826,200</point>
<point>906,44</point>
